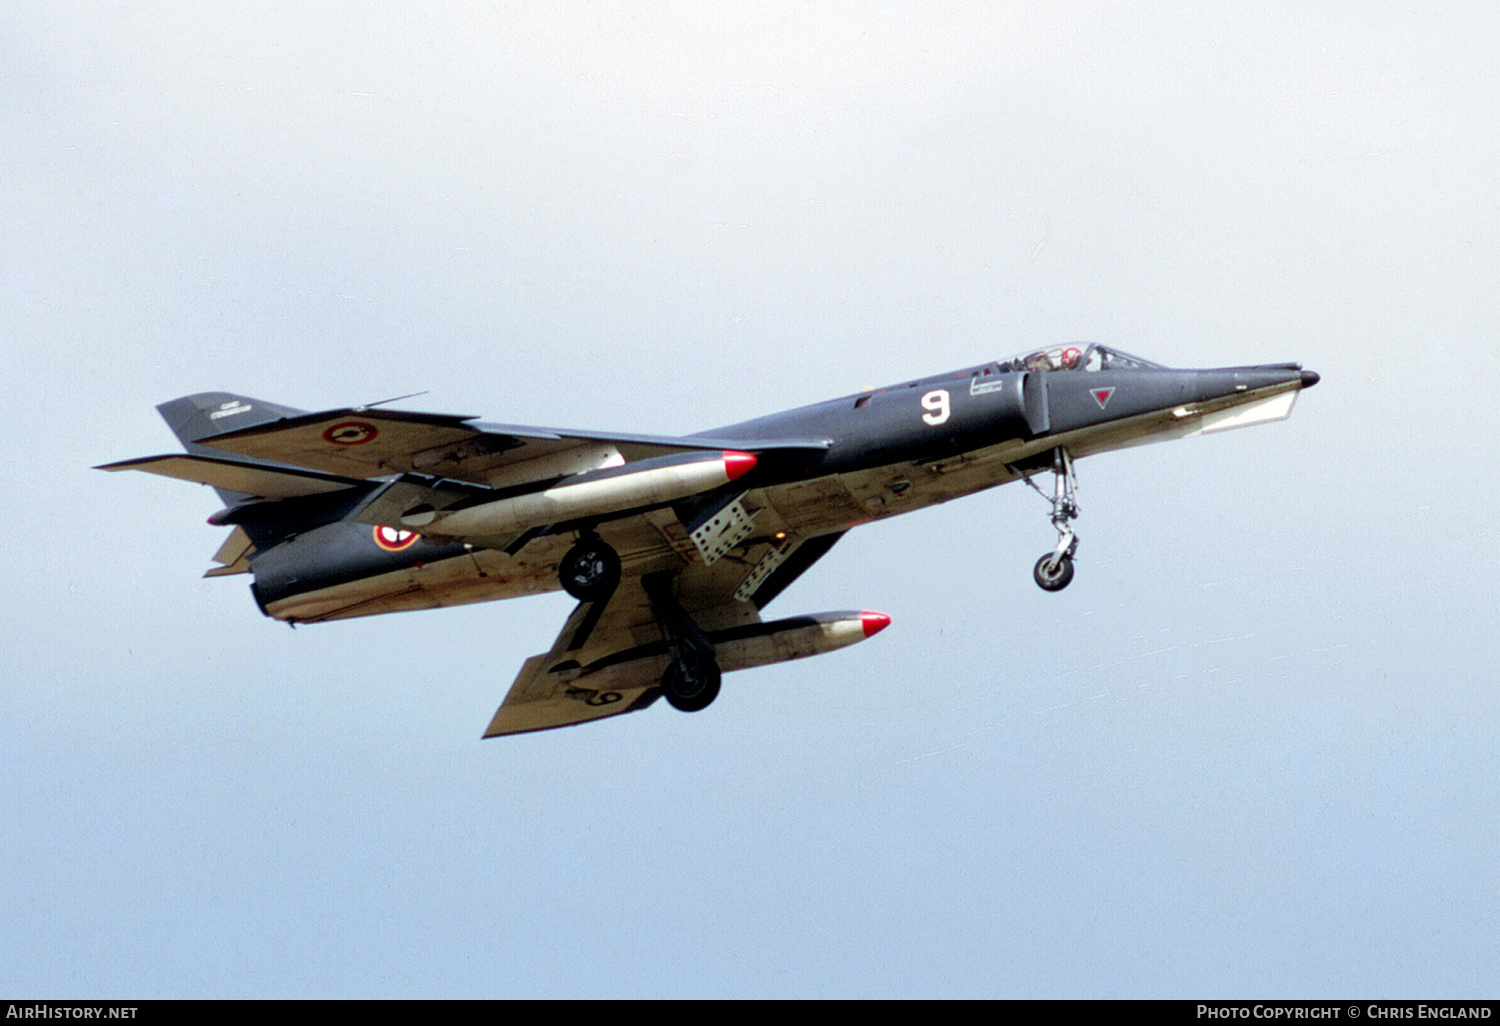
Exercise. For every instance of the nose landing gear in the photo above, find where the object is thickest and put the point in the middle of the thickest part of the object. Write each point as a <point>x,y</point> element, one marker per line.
<point>1054,571</point>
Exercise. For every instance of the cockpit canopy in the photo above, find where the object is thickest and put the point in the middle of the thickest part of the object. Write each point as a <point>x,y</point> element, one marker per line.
<point>1087,356</point>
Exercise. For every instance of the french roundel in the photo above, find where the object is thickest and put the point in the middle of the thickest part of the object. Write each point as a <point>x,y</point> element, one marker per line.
<point>351,432</point>
<point>393,539</point>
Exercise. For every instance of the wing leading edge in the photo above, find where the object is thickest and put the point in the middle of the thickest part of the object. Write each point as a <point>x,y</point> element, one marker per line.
<point>363,443</point>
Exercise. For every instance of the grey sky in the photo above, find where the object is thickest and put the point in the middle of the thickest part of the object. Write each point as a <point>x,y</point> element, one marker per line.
<point>1251,751</point>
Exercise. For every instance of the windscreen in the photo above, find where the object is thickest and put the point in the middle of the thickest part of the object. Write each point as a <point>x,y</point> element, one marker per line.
<point>1085,356</point>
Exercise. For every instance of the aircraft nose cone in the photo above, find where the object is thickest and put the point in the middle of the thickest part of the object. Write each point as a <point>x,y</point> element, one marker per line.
<point>1310,378</point>
<point>873,622</point>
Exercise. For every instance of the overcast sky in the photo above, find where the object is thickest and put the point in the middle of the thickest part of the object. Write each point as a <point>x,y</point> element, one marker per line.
<point>1251,751</point>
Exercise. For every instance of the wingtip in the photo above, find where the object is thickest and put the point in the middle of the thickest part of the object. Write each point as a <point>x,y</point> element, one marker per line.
<point>873,622</point>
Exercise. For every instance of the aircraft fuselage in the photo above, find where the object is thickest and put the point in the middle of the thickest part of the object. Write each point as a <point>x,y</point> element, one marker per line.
<point>885,451</point>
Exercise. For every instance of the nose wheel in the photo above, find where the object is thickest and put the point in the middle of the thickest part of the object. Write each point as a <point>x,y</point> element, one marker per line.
<point>1054,571</point>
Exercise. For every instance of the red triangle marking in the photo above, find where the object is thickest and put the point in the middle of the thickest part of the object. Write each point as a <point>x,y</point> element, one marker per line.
<point>1101,396</point>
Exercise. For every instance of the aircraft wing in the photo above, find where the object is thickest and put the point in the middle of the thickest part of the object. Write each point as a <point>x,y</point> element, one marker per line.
<point>550,691</point>
<point>610,656</point>
<point>367,443</point>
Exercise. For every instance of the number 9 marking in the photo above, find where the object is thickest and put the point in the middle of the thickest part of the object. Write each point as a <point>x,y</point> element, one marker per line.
<point>936,401</point>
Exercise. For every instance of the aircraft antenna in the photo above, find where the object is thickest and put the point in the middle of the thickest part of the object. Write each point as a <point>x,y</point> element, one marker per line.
<point>394,399</point>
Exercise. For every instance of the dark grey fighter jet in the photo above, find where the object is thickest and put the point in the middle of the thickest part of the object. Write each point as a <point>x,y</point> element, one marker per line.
<point>672,546</point>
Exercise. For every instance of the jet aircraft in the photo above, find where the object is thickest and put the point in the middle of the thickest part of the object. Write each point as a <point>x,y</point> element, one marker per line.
<point>673,546</point>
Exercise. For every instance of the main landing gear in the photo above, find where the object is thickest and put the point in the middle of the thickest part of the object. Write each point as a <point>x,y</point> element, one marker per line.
<point>1054,571</point>
<point>591,569</point>
<point>590,572</point>
<point>692,678</point>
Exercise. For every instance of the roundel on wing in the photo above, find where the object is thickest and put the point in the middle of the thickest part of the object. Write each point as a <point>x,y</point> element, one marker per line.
<point>351,432</point>
<point>393,539</point>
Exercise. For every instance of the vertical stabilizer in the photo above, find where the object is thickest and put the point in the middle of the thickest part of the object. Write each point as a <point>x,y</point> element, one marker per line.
<point>206,414</point>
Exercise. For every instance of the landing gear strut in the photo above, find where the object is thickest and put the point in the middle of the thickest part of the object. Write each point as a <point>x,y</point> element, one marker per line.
<point>692,678</point>
<point>1054,571</point>
<point>591,569</point>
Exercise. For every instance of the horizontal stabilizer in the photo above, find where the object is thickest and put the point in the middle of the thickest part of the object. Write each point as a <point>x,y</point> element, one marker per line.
<point>234,555</point>
<point>251,479</point>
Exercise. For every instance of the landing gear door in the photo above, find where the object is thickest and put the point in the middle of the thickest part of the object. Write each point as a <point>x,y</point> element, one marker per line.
<point>1034,394</point>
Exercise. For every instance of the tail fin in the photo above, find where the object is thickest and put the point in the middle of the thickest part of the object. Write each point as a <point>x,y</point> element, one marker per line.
<point>206,414</point>
<point>196,417</point>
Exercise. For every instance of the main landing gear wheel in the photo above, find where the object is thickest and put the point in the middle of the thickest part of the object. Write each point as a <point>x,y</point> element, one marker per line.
<point>590,570</point>
<point>1053,572</point>
<point>690,688</point>
<point>691,680</point>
